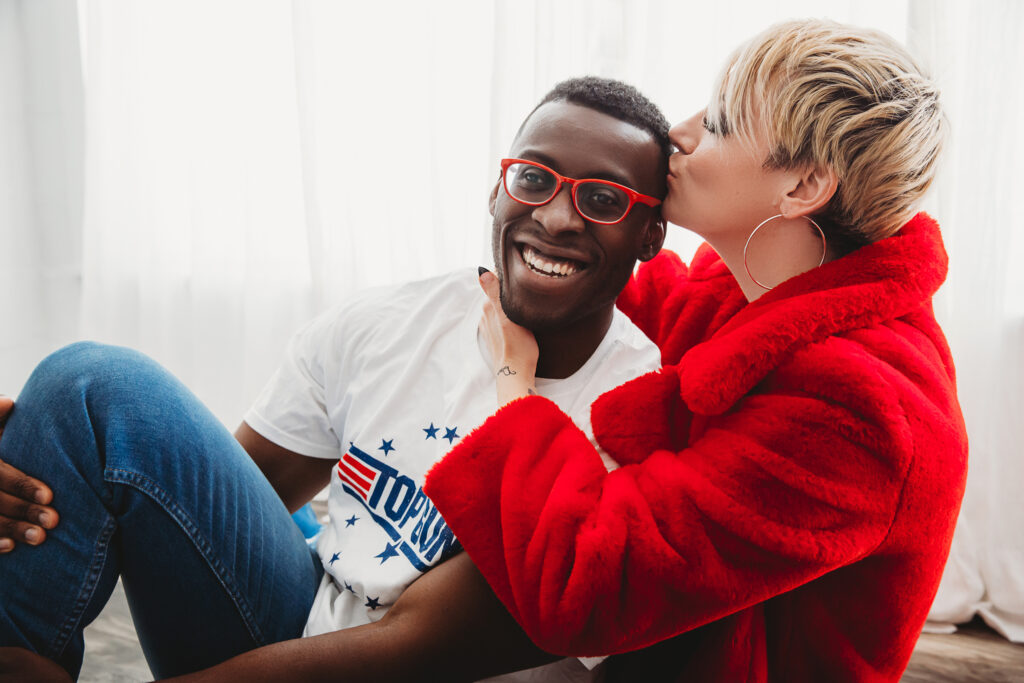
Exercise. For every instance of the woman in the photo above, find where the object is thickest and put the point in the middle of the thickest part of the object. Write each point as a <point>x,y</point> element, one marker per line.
<point>792,476</point>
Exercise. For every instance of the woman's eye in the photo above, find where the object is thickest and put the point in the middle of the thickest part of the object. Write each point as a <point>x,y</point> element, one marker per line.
<point>708,124</point>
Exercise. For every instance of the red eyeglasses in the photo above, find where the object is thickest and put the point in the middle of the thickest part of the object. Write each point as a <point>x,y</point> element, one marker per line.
<point>598,201</point>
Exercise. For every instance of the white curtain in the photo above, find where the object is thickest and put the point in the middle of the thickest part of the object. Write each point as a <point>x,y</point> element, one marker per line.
<point>41,152</point>
<point>195,178</point>
<point>977,53</point>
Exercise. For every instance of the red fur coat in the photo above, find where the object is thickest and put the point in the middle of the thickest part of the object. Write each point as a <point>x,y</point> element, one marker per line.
<point>789,488</point>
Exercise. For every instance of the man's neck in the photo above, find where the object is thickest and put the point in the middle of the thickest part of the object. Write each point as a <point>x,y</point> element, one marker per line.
<point>564,351</point>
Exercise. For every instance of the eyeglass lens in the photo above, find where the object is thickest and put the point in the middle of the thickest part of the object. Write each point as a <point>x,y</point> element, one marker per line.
<point>595,200</point>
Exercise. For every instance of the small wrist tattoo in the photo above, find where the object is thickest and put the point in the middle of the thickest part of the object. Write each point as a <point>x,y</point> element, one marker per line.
<point>507,371</point>
<point>531,392</point>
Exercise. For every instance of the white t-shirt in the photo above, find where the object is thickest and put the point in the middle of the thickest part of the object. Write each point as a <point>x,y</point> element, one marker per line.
<point>386,384</point>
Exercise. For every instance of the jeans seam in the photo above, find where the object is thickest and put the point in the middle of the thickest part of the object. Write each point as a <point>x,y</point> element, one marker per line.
<point>150,488</point>
<point>70,625</point>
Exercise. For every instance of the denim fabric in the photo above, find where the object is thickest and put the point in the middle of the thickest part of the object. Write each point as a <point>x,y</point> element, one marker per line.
<point>149,486</point>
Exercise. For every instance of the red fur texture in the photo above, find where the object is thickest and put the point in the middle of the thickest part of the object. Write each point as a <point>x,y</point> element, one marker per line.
<point>789,487</point>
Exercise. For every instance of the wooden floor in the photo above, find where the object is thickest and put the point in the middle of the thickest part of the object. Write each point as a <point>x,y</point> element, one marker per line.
<point>112,653</point>
<point>975,654</point>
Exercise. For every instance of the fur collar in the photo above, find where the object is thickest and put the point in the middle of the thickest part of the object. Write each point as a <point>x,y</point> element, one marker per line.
<point>878,282</point>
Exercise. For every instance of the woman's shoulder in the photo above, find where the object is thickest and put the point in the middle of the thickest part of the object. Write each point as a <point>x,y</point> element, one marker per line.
<point>679,305</point>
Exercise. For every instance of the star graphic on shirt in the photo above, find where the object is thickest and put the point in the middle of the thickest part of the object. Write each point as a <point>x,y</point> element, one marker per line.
<point>350,521</point>
<point>385,445</point>
<point>388,553</point>
<point>372,603</point>
<point>431,431</point>
<point>348,587</point>
<point>450,434</point>
<point>334,558</point>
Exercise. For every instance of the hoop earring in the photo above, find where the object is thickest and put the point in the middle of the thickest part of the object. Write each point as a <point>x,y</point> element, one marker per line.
<point>824,246</point>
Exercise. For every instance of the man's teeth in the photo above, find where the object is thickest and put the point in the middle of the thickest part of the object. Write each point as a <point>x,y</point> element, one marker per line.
<point>542,264</point>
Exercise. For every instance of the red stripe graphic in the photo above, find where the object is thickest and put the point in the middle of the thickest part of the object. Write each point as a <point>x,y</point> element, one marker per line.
<point>358,484</point>
<point>344,468</point>
<point>353,462</point>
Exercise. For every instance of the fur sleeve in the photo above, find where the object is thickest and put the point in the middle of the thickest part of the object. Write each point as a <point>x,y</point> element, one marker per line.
<point>678,306</point>
<point>764,499</point>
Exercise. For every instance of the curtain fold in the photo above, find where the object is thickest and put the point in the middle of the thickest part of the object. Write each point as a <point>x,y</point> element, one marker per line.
<point>197,178</point>
<point>41,139</point>
<point>978,58</point>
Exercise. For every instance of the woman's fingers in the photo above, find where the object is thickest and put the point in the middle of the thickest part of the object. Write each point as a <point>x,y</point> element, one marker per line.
<point>491,325</point>
<point>513,348</point>
<point>489,283</point>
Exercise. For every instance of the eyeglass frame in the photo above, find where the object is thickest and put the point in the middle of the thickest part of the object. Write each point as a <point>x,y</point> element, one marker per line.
<point>634,196</point>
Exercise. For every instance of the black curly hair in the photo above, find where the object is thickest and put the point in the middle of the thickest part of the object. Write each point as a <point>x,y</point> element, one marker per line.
<point>616,99</point>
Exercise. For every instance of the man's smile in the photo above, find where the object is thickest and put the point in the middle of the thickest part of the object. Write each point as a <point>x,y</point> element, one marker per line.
<point>548,264</point>
<point>536,264</point>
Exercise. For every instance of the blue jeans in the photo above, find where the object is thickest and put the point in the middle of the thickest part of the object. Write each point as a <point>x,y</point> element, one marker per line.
<point>151,487</point>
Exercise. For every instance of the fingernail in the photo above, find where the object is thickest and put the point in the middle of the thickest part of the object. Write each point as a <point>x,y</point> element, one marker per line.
<point>40,497</point>
<point>6,544</point>
<point>481,270</point>
<point>33,536</point>
<point>43,519</point>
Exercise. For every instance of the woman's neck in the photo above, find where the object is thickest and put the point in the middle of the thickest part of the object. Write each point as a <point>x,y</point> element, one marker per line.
<point>772,256</point>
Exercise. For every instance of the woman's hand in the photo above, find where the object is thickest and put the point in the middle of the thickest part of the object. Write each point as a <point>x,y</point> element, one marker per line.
<point>513,347</point>
<point>24,511</point>
<point>18,664</point>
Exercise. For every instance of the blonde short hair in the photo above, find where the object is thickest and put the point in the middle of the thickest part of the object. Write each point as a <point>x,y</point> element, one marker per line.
<point>852,99</point>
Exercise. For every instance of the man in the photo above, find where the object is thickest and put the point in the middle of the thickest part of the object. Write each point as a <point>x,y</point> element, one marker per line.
<point>369,397</point>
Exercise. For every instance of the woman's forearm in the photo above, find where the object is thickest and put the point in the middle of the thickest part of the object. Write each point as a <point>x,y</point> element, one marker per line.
<point>448,625</point>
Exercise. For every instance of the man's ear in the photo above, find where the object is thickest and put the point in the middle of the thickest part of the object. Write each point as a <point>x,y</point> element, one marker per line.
<point>494,196</point>
<point>813,188</point>
<point>653,237</point>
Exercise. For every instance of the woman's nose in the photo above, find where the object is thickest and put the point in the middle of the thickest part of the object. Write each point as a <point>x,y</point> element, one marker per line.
<point>686,134</point>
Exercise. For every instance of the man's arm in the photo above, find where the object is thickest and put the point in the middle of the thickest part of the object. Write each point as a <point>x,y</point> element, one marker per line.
<point>296,478</point>
<point>447,625</point>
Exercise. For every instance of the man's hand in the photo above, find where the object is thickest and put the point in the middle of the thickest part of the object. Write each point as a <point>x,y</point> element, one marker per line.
<point>18,665</point>
<point>24,502</point>
<point>513,347</point>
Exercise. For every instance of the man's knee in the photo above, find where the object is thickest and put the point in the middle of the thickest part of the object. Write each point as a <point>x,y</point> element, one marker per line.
<point>75,369</point>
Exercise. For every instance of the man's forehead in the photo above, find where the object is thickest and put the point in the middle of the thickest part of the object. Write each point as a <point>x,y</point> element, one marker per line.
<point>576,139</point>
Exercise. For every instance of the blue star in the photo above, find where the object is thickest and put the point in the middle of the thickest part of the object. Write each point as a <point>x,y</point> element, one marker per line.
<point>386,446</point>
<point>335,557</point>
<point>450,434</point>
<point>431,431</point>
<point>350,521</point>
<point>348,587</point>
<point>388,553</point>
<point>372,603</point>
